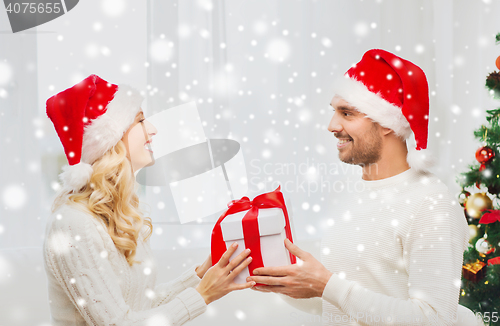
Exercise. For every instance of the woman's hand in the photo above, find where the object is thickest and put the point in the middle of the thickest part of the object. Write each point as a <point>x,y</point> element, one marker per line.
<point>203,268</point>
<point>218,280</point>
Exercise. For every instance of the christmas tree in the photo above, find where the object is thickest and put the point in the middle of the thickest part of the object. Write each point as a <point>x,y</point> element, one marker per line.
<point>480,197</point>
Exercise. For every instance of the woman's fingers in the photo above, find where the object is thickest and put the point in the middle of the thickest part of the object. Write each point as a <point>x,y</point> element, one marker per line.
<point>224,260</point>
<point>240,268</point>
<point>243,286</point>
<point>238,259</point>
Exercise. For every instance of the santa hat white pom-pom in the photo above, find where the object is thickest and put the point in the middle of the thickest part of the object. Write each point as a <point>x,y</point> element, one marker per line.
<point>420,160</point>
<point>76,176</point>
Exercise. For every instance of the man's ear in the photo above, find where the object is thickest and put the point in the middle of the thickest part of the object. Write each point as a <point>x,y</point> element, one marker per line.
<point>386,131</point>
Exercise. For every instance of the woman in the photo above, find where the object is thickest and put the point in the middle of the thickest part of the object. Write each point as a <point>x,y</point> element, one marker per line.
<point>97,256</point>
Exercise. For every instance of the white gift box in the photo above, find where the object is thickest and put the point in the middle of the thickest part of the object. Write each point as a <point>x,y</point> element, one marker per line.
<point>272,236</point>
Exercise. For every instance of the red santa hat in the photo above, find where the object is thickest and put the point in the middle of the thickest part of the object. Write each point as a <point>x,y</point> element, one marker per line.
<point>393,92</point>
<point>90,118</point>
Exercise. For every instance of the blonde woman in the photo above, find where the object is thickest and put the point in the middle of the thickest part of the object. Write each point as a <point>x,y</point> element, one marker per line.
<point>97,257</point>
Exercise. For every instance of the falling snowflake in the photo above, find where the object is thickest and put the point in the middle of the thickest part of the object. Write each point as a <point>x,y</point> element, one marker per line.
<point>157,320</point>
<point>113,7</point>
<point>206,4</point>
<point>150,294</point>
<point>327,43</point>
<point>92,50</point>
<point>419,48</point>
<point>60,242</point>
<point>76,78</point>
<point>260,27</point>
<point>310,229</point>
<point>5,73</point>
<point>97,26</point>
<point>182,241</point>
<point>455,109</point>
<point>14,197</point>
<point>125,68</point>
<point>278,50</point>
<point>5,270</point>
<point>161,50</point>
<point>361,29</point>
<point>240,315</point>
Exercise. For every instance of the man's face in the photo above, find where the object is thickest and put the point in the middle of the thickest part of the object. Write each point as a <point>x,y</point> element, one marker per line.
<point>360,139</point>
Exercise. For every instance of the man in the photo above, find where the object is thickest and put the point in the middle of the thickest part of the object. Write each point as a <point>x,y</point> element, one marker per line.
<point>395,253</point>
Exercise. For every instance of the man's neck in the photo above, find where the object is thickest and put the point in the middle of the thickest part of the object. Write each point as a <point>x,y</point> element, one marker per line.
<point>392,161</point>
<point>380,171</point>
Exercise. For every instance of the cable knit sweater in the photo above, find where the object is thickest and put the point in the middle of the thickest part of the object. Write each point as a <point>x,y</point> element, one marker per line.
<point>395,248</point>
<point>91,283</point>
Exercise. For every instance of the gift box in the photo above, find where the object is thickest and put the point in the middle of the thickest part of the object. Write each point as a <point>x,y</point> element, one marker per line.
<point>474,271</point>
<point>260,225</point>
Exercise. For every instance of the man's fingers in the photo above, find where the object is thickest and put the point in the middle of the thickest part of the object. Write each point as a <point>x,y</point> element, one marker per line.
<point>224,260</point>
<point>294,249</point>
<point>269,280</point>
<point>270,288</point>
<point>238,259</point>
<point>274,271</point>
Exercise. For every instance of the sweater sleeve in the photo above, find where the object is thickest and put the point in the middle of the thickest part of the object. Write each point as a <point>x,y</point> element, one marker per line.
<point>73,256</point>
<point>433,256</point>
<point>312,306</point>
<point>168,290</point>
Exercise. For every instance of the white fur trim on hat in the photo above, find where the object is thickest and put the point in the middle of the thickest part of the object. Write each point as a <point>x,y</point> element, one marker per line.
<point>373,105</point>
<point>420,160</point>
<point>74,177</point>
<point>106,130</point>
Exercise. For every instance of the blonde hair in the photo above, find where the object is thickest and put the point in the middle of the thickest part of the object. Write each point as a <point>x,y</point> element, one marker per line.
<point>111,196</point>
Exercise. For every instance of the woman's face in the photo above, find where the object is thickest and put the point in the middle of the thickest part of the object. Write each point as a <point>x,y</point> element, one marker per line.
<point>138,139</point>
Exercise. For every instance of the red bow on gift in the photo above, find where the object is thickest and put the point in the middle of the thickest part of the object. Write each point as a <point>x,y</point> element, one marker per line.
<point>490,217</point>
<point>250,225</point>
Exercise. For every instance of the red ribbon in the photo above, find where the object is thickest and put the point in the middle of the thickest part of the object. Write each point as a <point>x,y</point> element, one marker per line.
<point>250,226</point>
<point>494,261</point>
<point>490,216</point>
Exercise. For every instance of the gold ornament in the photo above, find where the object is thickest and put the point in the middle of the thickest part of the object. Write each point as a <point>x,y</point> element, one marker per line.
<point>473,231</point>
<point>477,202</point>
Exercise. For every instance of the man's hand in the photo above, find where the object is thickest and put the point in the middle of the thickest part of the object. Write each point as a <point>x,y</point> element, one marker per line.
<point>306,279</point>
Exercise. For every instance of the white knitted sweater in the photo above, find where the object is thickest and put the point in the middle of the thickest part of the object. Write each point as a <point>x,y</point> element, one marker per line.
<point>91,283</point>
<point>396,249</point>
